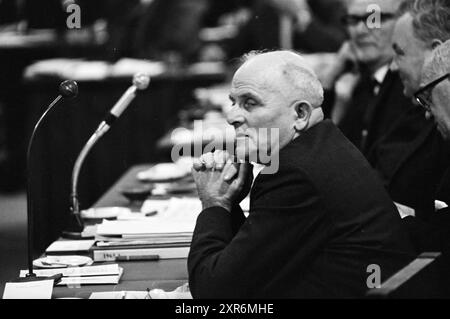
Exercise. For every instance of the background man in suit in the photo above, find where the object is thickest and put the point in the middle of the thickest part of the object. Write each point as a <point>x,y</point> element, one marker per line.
<point>376,100</point>
<point>316,224</point>
<point>423,26</point>
<point>434,96</point>
<point>412,156</point>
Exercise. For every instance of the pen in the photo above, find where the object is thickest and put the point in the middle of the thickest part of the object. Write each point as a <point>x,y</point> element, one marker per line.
<point>138,257</point>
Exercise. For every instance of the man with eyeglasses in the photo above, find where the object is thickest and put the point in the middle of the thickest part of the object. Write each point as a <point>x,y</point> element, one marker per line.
<point>412,156</point>
<point>424,96</point>
<point>376,99</point>
<point>434,97</point>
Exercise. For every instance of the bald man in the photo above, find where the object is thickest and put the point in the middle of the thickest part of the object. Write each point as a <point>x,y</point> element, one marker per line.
<point>316,224</point>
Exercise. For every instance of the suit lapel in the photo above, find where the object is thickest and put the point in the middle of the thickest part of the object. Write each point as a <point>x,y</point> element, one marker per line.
<point>375,104</point>
<point>413,147</point>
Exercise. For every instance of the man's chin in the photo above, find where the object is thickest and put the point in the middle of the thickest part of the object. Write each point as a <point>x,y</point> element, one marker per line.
<point>242,155</point>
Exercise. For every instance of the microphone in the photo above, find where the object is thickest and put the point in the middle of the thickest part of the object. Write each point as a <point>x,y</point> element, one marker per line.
<point>76,225</point>
<point>140,82</point>
<point>67,89</point>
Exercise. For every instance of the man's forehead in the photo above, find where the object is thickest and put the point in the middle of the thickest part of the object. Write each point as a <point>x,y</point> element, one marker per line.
<point>403,31</point>
<point>256,82</point>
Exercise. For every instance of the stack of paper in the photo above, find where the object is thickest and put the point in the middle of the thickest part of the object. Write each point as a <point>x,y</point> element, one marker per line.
<point>167,234</point>
<point>61,247</point>
<point>90,275</point>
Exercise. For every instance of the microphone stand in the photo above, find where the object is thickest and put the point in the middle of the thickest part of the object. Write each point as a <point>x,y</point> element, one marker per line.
<point>76,224</point>
<point>67,89</point>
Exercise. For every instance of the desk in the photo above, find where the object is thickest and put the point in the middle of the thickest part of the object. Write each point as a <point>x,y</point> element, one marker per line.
<point>130,141</point>
<point>164,274</point>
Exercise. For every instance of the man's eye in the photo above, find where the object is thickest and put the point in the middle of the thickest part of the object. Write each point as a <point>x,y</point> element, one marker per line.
<point>249,103</point>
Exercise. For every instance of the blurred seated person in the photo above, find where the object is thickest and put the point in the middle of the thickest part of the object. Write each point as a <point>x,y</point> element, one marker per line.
<point>308,26</point>
<point>48,14</point>
<point>155,29</point>
<point>169,29</point>
<point>375,98</point>
<point>217,9</point>
<point>433,234</point>
<point>319,215</point>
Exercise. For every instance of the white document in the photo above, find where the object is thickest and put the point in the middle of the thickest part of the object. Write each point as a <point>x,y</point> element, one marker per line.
<point>101,270</point>
<point>155,205</point>
<point>41,289</point>
<point>92,280</point>
<point>181,292</point>
<point>156,227</point>
<point>70,245</point>
<point>179,217</point>
<point>120,295</point>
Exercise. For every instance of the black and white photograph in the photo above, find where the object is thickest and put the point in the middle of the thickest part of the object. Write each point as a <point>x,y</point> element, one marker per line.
<point>223,156</point>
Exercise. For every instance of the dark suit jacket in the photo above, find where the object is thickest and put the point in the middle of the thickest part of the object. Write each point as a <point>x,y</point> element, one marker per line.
<point>370,116</point>
<point>313,229</point>
<point>411,158</point>
<point>431,230</point>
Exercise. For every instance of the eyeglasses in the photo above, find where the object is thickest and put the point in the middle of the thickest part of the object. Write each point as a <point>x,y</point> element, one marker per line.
<point>423,96</point>
<point>353,19</point>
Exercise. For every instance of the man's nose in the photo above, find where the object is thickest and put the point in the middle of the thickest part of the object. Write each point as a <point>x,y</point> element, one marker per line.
<point>360,27</point>
<point>234,116</point>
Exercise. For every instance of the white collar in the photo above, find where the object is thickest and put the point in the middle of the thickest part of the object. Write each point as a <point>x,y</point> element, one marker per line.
<point>380,74</point>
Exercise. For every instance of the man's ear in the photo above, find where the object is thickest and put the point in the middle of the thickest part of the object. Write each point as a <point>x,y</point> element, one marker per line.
<point>435,43</point>
<point>303,111</point>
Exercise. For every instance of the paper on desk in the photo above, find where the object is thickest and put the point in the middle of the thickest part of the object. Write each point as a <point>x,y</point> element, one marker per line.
<point>181,292</point>
<point>154,205</point>
<point>92,280</point>
<point>41,289</point>
<point>101,270</point>
<point>179,216</point>
<point>70,245</point>
<point>119,295</point>
<point>89,231</point>
<point>141,227</point>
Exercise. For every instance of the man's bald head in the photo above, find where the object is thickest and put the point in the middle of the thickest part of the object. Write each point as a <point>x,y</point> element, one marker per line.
<point>277,92</point>
<point>285,71</point>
